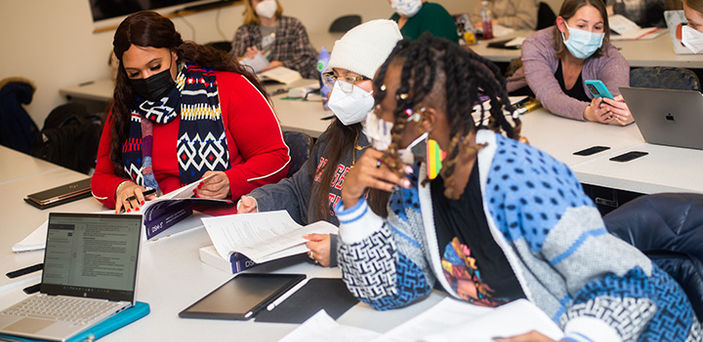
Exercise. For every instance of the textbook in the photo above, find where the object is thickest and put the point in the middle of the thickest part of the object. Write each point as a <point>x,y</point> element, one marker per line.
<point>243,241</point>
<point>281,74</point>
<point>163,216</point>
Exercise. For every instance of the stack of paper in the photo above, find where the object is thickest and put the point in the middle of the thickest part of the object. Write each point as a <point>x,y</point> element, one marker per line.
<point>626,29</point>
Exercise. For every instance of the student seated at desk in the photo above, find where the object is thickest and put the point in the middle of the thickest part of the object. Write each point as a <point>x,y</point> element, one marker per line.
<point>282,40</point>
<point>692,33</point>
<point>502,221</point>
<point>516,14</point>
<point>415,17</point>
<point>183,111</point>
<point>353,63</point>
<point>557,60</point>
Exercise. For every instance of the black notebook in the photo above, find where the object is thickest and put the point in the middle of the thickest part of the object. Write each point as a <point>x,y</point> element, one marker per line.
<point>60,194</point>
<point>330,294</point>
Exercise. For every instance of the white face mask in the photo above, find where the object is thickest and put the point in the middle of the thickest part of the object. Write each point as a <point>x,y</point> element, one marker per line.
<point>406,8</point>
<point>266,8</point>
<point>351,107</point>
<point>692,39</point>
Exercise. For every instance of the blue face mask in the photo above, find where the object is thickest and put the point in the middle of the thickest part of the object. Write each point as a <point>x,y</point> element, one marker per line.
<point>582,44</point>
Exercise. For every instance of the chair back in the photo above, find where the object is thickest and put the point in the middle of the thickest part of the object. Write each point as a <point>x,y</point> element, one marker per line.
<point>668,228</point>
<point>345,23</point>
<point>664,77</point>
<point>545,16</point>
<point>299,145</point>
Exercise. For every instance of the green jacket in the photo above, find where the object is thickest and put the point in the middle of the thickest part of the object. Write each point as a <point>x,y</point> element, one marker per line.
<point>432,18</point>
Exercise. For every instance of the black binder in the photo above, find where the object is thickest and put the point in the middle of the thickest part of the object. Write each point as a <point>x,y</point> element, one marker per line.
<point>330,294</point>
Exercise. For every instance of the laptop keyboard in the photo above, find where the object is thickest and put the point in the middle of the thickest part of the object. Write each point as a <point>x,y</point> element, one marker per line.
<point>76,310</point>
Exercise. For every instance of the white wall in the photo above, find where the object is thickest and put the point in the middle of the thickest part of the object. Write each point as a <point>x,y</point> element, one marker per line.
<point>51,42</point>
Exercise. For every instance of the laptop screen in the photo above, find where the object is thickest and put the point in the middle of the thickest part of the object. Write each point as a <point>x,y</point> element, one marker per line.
<point>92,255</point>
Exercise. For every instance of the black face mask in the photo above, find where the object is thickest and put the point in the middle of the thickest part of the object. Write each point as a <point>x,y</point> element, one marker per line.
<point>154,87</point>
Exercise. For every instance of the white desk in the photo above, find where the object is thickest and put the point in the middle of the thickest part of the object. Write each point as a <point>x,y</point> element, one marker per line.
<point>639,53</point>
<point>555,135</point>
<point>171,276</point>
<point>29,167</point>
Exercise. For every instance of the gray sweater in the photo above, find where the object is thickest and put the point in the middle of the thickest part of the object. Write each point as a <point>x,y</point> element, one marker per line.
<point>293,193</point>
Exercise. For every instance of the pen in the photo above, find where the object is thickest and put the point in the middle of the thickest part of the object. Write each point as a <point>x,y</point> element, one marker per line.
<point>285,296</point>
<point>25,270</point>
<point>145,193</point>
<point>329,117</point>
<point>86,83</point>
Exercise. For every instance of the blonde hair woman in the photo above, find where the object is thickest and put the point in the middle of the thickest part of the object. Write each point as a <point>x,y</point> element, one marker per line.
<point>282,40</point>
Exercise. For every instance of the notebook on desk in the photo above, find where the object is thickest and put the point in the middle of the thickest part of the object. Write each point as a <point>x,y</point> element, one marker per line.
<point>60,194</point>
<point>666,116</point>
<point>90,270</point>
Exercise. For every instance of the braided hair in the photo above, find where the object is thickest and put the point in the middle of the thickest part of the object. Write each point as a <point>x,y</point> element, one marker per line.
<point>440,72</point>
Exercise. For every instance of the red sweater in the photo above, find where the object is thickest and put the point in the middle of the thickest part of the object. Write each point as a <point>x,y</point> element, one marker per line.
<point>257,153</point>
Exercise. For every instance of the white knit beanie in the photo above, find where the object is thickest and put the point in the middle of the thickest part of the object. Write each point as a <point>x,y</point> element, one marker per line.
<point>364,48</point>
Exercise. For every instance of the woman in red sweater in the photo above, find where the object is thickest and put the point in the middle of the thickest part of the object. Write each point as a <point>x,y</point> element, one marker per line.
<point>182,112</point>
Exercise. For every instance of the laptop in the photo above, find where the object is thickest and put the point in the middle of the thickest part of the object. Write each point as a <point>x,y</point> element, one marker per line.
<point>675,20</point>
<point>667,116</point>
<point>90,273</point>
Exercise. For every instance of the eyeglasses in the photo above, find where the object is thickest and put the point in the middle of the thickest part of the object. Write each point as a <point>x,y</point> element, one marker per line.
<point>329,79</point>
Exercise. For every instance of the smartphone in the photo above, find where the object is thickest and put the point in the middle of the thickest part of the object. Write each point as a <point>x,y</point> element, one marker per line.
<point>591,150</point>
<point>598,89</point>
<point>629,156</point>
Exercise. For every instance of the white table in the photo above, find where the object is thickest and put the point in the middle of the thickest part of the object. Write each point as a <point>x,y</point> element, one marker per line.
<point>558,136</point>
<point>171,276</point>
<point>639,53</point>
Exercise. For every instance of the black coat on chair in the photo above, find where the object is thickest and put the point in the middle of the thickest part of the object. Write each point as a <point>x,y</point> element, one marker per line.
<point>668,228</point>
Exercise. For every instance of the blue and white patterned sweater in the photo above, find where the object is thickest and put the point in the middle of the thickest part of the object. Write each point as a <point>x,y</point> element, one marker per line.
<point>594,285</point>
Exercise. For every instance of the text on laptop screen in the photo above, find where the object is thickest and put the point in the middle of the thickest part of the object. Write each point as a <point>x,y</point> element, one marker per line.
<point>86,253</point>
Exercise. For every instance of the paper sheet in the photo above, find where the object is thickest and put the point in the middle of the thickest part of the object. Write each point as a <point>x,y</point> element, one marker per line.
<point>36,240</point>
<point>322,328</point>
<point>258,63</point>
<point>627,29</point>
<point>515,318</point>
<point>441,317</point>
<point>261,236</point>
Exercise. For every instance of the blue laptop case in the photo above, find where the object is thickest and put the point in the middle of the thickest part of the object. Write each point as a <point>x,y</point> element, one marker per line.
<point>139,310</point>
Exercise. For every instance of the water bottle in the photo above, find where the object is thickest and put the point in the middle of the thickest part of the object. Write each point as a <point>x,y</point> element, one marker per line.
<point>486,19</point>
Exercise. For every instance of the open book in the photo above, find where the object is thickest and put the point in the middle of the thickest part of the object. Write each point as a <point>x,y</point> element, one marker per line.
<point>244,240</point>
<point>165,211</point>
<point>161,216</point>
<point>626,29</point>
<point>281,74</point>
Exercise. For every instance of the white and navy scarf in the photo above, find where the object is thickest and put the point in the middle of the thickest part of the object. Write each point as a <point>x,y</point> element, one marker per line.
<point>202,143</point>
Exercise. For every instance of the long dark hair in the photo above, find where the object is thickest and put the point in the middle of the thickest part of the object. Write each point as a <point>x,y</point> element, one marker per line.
<point>567,11</point>
<point>148,28</point>
<point>444,73</point>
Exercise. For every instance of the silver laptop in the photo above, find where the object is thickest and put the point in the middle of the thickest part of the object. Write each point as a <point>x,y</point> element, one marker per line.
<point>90,273</point>
<point>666,116</point>
<point>674,21</point>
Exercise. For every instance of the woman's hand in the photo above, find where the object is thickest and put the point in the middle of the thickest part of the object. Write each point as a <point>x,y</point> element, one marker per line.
<point>251,52</point>
<point>273,64</point>
<point>598,112</point>
<point>247,204</point>
<point>532,336</point>
<point>319,246</point>
<point>215,187</point>
<point>618,108</point>
<point>129,197</point>
<point>370,172</point>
